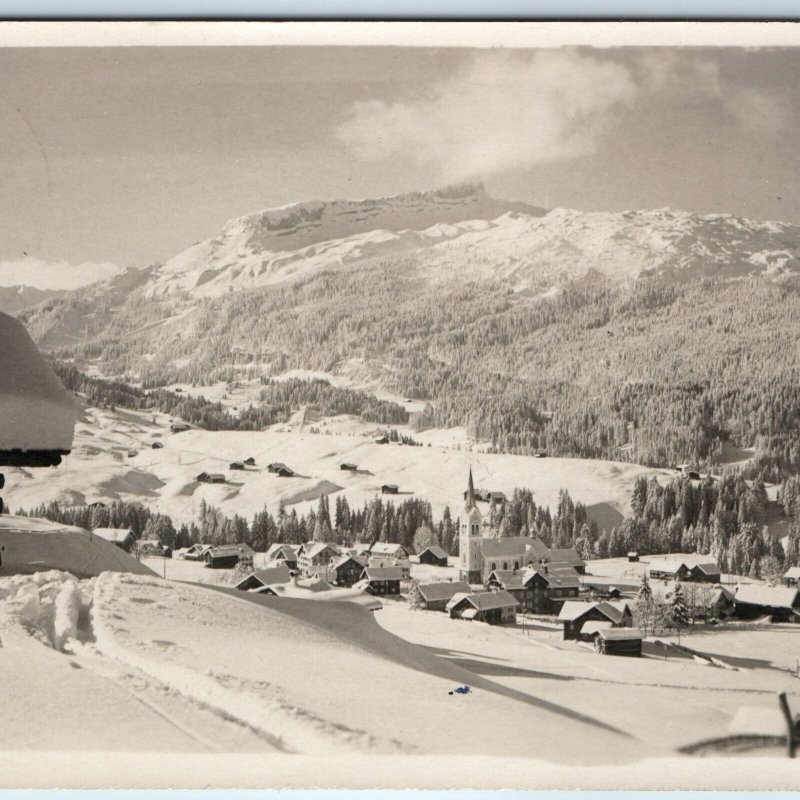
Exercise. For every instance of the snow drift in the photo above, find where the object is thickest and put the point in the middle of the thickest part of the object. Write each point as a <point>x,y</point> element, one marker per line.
<point>29,545</point>
<point>36,411</point>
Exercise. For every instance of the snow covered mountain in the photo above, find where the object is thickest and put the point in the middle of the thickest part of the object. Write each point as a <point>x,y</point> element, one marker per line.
<point>14,299</point>
<point>466,234</point>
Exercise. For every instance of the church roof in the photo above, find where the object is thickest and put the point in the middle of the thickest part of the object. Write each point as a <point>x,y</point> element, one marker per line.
<point>510,546</point>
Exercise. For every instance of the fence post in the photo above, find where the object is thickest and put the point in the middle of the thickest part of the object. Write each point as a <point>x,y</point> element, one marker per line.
<point>791,732</point>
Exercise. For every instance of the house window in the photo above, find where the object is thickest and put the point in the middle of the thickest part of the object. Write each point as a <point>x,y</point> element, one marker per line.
<point>516,565</point>
<point>505,565</point>
<point>494,566</point>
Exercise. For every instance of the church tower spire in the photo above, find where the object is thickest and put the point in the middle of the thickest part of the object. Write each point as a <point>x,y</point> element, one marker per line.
<point>470,491</point>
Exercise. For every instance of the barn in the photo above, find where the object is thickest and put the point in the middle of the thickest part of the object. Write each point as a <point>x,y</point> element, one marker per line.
<point>152,547</point>
<point>575,614</point>
<point>156,445</point>
<point>436,596</point>
<point>227,556</point>
<point>494,608</point>
<point>211,477</point>
<point>179,427</point>
<point>382,580</point>
<point>633,556</point>
<point>347,467</point>
<point>566,558</point>
<point>121,537</point>
<point>236,465</point>
<point>779,603</point>
<point>264,578</point>
<point>619,642</point>
<point>390,488</point>
<point>792,576</point>
<point>434,555</point>
<point>251,462</point>
<point>280,469</point>
<point>381,440</point>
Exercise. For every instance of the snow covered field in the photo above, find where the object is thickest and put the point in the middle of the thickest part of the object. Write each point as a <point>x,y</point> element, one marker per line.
<point>100,468</point>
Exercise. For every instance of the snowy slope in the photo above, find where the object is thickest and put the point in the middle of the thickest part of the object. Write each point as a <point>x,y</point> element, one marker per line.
<point>37,412</point>
<point>165,479</point>
<point>38,545</point>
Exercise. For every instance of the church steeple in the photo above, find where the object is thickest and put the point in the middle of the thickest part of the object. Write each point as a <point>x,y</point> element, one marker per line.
<point>470,491</point>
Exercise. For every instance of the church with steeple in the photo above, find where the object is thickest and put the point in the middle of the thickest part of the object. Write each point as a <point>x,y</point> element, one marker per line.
<point>481,555</point>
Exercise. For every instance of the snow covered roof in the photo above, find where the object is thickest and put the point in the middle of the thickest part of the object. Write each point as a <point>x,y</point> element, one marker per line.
<point>708,567</point>
<point>281,551</point>
<point>595,626</point>
<point>344,559</point>
<point>507,578</point>
<point>38,413</point>
<point>574,609</point>
<point>113,534</point>
<point>568,556</point>
<point>792,572</point>
<point>435,550</point>
<point>484,601</point>
<point>442,590</point>
<point>313,549</point>
<point>619,634</point>
<point>771,596</point>
<point>383,573</point>
<point>561,578</point>
<point>268,577</point>
<point>509,546</point>
<point>386,548</point>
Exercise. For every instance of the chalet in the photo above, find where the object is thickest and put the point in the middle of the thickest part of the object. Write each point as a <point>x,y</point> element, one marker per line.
<point>436,596</point>
<point>196,552</point>
<point>133,453</point>
<point>633,556</point>
<point>592,627</point>
<point>227,556</point>
<point>348,467</point>
<point>390,488</point>
<point>157,445</point>
<point>542,590</point>
<point>264,578</point>
<point>494,608</point>
<point>404,565</point>
<point>250,462</point>
<point>792,576</point>
<point>619,642</point>
<point>381,440</point>
<point>434,555</point>
<point>277,466</point>
<point>487,496</point>
<point>779,603</point>
<point>121,537</point>
<point>282,554</point>
<point>179,427</point>
<point>388,549</point>
<point>211,477</point>
<point>382,580</point>
<point>313,556</point>
<point>574,614</point>
<point>346,571</point>
<point>672,570</point>
<point>152,547</point>
<point>236,465</point>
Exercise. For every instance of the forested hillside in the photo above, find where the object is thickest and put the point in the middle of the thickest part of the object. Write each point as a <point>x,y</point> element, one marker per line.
<point>681,344</point>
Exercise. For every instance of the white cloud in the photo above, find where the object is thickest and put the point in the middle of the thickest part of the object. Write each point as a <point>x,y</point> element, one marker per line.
<point>503,110</point>
<point>54,274</point>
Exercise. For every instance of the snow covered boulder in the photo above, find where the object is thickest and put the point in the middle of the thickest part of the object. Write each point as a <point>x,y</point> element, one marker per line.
<point>36,411</point>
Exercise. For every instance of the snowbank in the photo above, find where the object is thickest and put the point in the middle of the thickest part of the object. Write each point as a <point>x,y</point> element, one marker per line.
<point>31,545</point>
<point>37,412</point>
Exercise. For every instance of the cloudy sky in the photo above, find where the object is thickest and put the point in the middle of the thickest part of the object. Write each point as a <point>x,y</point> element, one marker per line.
<point>124,156</point>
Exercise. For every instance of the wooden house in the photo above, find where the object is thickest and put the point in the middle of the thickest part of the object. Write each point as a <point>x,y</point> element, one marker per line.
<point>348,467</point>
<point>436,596</point>
<point>152,547</point>
<point>227,556</point>
<point>282,554</point>
<point>257,581</point>
<point>382,580</point>
<point>346,571</point>
<point>779,603</point>
<point>122,537</point>
<point>390,488</point>
<point>156,445</point>
<point>633,556</point>
<point>250,462</point>
<point>403,564</point>
<point>574,614</point>
<point>540,590</point>
<point>211,477</point>
<point>677,569</point>
<point>381,440</point>
<point>236,465</point>
<point>434,556</point>
<point>494,608</point>
<point>179,427</point>
<point>196,552</point>
<point>619,642</point>
<point>566,558</point>
<point>792,576</point>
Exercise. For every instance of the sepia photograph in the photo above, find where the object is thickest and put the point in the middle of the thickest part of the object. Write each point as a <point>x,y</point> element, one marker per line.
<point>399,405</point>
